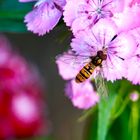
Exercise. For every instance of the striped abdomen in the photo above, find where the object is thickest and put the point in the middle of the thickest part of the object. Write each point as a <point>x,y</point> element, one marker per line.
<point>85,72</point>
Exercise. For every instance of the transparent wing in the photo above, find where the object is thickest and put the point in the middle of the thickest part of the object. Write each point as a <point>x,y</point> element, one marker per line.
<point>100,84</point>
<point>73,60</point>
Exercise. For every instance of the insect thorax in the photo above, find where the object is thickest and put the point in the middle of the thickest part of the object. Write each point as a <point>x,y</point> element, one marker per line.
<point>97,60</point>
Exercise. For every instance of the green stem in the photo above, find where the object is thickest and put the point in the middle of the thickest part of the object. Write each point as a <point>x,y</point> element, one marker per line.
<point>87,113</point>
<point>122,108</point>
<point>135,121</point>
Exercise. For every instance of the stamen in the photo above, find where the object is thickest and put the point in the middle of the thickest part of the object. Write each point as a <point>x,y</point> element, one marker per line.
<point>114,37</point>
<point>138,55</point>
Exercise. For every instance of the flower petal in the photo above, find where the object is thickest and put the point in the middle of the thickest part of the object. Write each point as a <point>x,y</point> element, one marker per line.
<point>133,67</point>
<point>43,18</point>
<point>88,42</point>
<point>119,49</point>
<point>133,70</point>
<point>60,2</point>
<point>104,31</point>
<point>85,14</point>
<point>128,19</point>
<point>70,11</point>
<point>124,45</point>
<point>26,0</point>
<point>114,68</point>
<point>69,65</point>
<point>82,95</point>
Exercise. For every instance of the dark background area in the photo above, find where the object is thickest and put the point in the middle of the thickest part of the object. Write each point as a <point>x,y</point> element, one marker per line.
<point>41,52</point>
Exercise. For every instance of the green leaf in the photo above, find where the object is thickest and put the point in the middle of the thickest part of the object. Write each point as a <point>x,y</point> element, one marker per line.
<point>12,15</point>
<point>135,120</point>
<point>10,8</point>
<point>87,113</point>
<point>7,25</point>
<point>105,110</point>
<point>120,125</point>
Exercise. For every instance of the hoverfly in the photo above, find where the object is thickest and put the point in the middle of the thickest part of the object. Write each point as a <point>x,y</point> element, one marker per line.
<point>87,65</point>
<point>89,68</point>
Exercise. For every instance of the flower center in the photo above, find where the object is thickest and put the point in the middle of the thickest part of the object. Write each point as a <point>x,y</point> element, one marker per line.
<point>94,12</point>
<point>99,10</point>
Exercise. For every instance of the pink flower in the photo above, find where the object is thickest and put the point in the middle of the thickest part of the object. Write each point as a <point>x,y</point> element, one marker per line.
<point>82,95</point>
<point>86,13</point>
<point>131,2</point>
<point>133,66</point>
<point>106,38</point>
<point>118,47</point>
<point>44,16</point>
<point>128,18</point>
<point>133,62</point>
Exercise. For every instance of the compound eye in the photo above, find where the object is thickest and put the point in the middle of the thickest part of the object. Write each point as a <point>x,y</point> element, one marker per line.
<point>100,53</point>
<point>104,56</point>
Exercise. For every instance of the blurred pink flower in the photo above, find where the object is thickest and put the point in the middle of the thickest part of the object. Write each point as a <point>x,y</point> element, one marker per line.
<point>21,96</point>
<point>25,115</point>
<point>44,16</point>
<point>82,95</point>
<point>134,96</point>
<point>24,107</point>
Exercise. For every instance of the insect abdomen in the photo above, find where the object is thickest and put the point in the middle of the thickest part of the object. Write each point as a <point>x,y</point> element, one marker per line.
<point>85,72</point>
